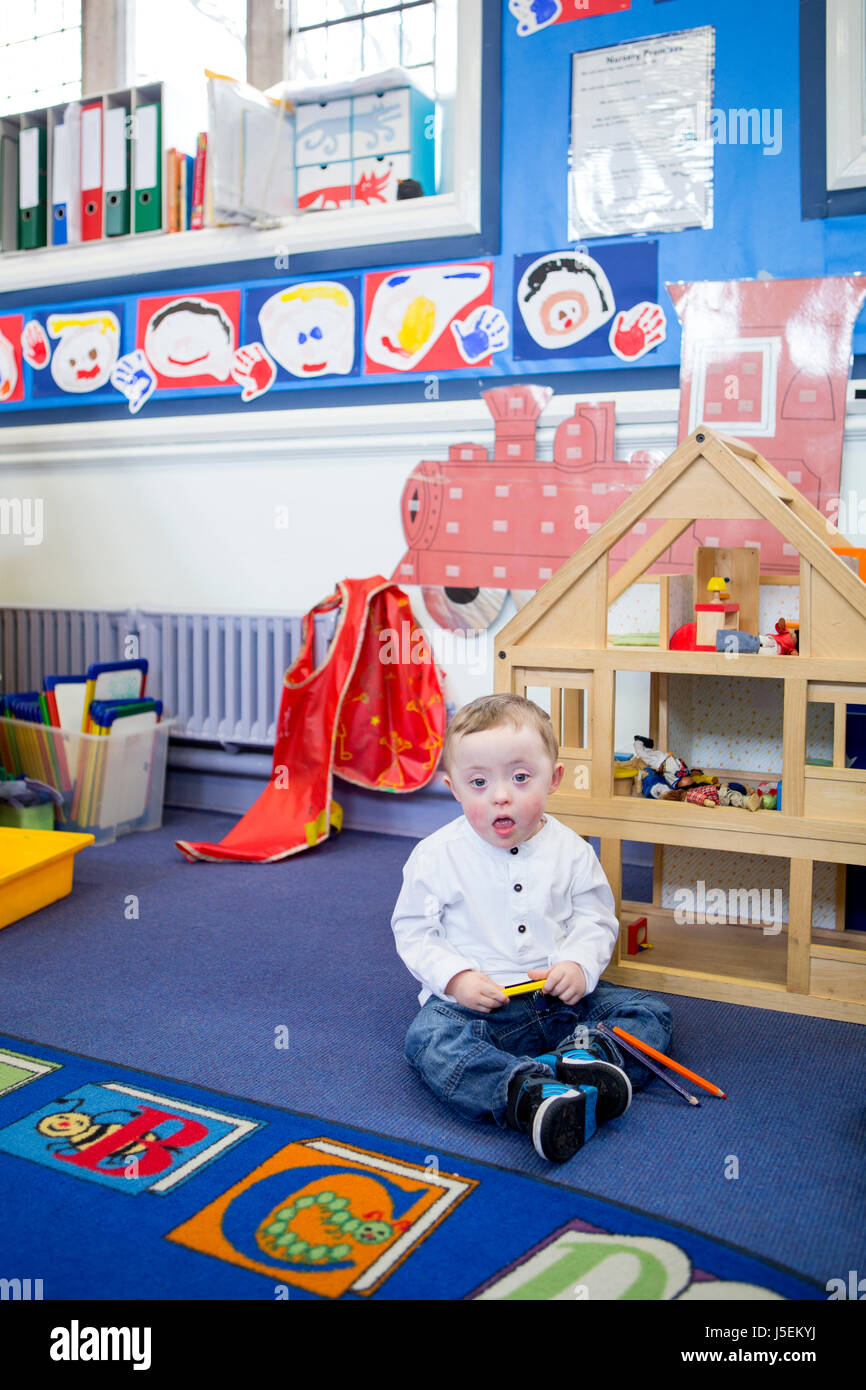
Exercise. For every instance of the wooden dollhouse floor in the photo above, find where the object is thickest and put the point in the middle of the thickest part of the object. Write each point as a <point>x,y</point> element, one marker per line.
<point>731,960</point>
<point>705,948</point>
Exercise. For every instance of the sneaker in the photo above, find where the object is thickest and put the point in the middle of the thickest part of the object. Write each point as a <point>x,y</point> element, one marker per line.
<point>576,1066</point>
<point>559,1119</point>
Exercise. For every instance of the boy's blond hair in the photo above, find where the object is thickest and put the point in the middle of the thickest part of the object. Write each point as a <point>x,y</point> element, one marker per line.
<point>492,711</point>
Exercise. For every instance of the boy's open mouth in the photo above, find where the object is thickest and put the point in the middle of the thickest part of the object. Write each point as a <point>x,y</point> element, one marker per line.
<point>503,825</point>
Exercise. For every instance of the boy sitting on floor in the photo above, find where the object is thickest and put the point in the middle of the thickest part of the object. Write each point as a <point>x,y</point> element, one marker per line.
<point>503,893</point>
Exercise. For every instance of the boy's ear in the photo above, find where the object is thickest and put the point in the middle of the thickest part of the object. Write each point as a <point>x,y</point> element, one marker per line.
<point>555,780</point>
<point>447,780</point>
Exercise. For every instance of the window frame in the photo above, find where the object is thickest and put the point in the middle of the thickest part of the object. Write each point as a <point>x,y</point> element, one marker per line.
<point>834,184</point>
<point>449,226</point>
<point>359,17</point>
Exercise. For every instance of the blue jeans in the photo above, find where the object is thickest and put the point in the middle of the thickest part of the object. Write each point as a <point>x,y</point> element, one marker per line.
<point>468,1058</point>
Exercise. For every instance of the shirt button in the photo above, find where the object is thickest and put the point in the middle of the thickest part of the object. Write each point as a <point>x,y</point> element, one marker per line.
<point>518,887</point>
<point>514,851</point>
<point>521,927</point>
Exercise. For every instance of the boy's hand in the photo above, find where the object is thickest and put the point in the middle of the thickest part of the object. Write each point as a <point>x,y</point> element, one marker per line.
<point>566,980</point>
<point>476,991</point>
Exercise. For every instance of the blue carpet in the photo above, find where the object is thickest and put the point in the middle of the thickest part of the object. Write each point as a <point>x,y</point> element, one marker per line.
<point>201,972</point>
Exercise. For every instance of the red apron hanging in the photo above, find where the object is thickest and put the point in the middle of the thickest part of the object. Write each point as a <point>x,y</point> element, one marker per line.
<point>372,713</point>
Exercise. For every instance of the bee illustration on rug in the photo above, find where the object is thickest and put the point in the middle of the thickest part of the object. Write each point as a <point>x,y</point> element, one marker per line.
<point>74,1131</point>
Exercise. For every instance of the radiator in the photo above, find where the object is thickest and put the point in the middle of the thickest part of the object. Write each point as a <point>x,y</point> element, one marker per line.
<point>219,675</point>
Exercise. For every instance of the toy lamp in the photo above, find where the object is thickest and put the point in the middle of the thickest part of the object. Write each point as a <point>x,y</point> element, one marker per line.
<point>720,613</point>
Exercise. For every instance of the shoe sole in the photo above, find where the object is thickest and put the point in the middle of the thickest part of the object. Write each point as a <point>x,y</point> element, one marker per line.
<point>559,1127</point>
<point>611,1082</point>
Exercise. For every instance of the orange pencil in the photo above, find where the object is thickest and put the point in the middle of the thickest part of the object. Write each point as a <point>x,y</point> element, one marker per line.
<point>660,1057</point>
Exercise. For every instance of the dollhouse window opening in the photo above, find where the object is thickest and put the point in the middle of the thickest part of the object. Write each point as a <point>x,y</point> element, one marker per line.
<point>568,707</point>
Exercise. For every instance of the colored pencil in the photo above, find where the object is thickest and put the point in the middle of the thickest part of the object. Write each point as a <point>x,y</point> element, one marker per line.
<point>668,1062</point>
<point>523,989</point>
<point>645,1062</point>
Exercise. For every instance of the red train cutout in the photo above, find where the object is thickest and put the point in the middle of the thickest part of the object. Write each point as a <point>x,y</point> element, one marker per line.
<point>478,526</point>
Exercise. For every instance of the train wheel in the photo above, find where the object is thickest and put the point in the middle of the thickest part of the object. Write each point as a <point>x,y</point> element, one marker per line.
<point>462,609</point>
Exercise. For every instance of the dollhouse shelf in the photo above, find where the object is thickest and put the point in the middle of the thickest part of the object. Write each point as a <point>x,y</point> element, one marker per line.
<point>559,642</point>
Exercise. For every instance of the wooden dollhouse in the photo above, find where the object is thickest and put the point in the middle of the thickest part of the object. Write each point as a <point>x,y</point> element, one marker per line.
<point>558,644</point>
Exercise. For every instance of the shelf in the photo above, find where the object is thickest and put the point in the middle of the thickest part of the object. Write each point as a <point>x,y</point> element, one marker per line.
<point>832,670</point>
<point>737,965</point>
<point>721,827</point>
<point>741,953</point>
<point>415,219</point>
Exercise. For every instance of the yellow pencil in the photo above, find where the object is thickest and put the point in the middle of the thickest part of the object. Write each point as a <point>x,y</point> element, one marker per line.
<point>526,988</point>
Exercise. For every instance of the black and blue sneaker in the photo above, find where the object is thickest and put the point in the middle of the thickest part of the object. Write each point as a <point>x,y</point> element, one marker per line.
<point>595,1065</point>
<point>558,1118</point>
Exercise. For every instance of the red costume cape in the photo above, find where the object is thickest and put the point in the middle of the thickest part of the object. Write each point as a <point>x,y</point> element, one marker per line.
<point>372,713</point>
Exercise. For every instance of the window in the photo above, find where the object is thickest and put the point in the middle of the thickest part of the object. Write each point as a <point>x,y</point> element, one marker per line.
<point>40,53</point>
<point>337,40</point>
<point>846,94</point>
<point>334,40</point>
<point>833,107</point>
<point>204,34</point>
<point>461,220</point>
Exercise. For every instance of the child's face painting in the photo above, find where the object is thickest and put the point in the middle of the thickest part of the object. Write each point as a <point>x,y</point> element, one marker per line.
<point>502,778</point>
<point>184,342</point>
<point>84,355</point>
<point>413,308</point>
<point>310,329</point>
<point>8,369</point>
<point>532,15</point>
<point>564,298</point>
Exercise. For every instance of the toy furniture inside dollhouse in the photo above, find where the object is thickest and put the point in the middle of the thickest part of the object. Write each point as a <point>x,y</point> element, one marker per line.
<point>742,661</point>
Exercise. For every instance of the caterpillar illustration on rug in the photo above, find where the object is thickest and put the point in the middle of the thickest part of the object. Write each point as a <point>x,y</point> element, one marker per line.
<point>334,1217</point>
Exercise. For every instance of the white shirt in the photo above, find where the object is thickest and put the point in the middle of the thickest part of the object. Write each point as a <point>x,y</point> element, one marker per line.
<point>467,905</point>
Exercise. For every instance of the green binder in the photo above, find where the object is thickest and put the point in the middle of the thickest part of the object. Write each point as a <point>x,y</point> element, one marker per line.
<point>147,167</point>
<point>116,167</point>
<point>32,188</point>
<point>8,193</point>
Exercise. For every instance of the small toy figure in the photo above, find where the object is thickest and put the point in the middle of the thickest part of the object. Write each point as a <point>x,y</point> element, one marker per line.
<point>745,800</point>
<point>785,641</point>
<point>704,795</point>
<point>768,795</point>
<point>665,770</point>
<point>718,589</point>
<point>786,638</point>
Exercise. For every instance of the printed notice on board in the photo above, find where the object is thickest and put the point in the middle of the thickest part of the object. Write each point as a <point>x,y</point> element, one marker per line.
<point>641,157</point>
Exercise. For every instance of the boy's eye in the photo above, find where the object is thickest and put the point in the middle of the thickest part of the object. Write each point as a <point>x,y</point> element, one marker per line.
<point>477,782</point>
<point>521,776</point>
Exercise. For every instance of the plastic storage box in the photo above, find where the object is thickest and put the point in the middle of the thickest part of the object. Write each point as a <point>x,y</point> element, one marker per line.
<point>35,870</point>
<point>356,147</point>
<point>111,783</point>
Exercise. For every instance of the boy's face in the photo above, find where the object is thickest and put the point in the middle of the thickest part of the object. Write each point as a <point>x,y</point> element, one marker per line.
<point>502,778</point>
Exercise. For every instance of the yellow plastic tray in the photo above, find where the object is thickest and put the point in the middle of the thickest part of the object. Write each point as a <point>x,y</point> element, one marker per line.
<point>35,869</point>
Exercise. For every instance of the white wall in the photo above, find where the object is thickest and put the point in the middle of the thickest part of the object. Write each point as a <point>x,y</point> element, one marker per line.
<point>187,513</point>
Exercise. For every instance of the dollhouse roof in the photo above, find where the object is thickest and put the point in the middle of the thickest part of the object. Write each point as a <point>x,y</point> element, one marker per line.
<point>713,477</point>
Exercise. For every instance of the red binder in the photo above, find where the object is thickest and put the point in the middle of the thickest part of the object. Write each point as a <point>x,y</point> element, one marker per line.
<point>91,171</point>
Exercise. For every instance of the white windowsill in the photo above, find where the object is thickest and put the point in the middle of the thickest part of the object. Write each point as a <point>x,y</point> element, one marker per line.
<point>417,219</point>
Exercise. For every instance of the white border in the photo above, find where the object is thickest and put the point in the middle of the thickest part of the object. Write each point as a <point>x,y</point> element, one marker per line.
<point>846,94</point>
<point>441,215</point>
